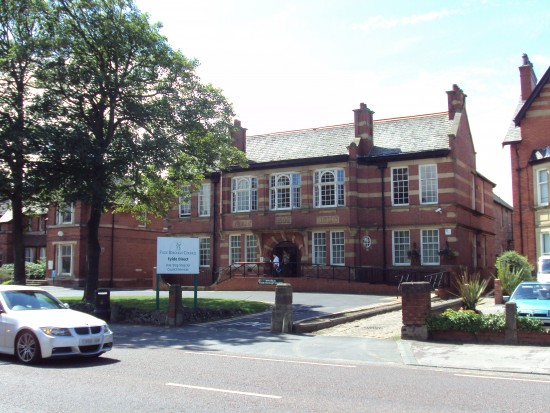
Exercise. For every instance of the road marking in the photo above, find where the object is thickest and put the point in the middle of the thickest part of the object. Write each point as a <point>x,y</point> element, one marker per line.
<point>270,359</point>
<point>244,393</point>
<point>503,378</point>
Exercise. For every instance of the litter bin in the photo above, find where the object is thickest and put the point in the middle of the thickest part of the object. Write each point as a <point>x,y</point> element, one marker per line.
<point>102,308</point>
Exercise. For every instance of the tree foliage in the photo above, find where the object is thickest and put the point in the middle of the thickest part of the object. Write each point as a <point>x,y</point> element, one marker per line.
<point>127,119</point>
<point>23,44</point>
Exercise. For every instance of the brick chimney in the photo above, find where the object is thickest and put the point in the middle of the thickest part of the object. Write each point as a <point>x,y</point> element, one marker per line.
<point>364,128</point>
<point>527,77</point>
<point>457,100</point>
<point>238,135</point>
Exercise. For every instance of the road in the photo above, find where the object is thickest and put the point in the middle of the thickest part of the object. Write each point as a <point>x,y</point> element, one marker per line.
<point>170,378</point>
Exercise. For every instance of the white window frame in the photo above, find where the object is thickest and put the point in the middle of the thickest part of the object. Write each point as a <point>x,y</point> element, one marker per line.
<point>329,188</point>
<point>429,246</point>
<point>337,248</point>
<point>400,186</point>
<point>542,187</point>
<point>234,249</point>
<point>244,194</point>
<point>204,252</point>
<point>545,243</point>
<point>250,249</point>
<point>65,214</point>
<point>60,255</point>
<point>319,248</point>
<point>29,254</point>
<point>204,200</point>
<point>185,201</point>
<point>401,242</point>
<point>285,191</point>
<point>428,184</point>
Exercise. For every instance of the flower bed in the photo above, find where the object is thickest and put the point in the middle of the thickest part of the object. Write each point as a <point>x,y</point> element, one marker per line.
<point>472,327</point>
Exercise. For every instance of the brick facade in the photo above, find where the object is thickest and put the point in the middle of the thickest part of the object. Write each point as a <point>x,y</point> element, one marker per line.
<point>529,141</point>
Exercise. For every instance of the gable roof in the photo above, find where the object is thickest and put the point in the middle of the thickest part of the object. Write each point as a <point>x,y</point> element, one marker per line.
<point>391,137</point>
<point>534,94</point>
<point>514,131</point>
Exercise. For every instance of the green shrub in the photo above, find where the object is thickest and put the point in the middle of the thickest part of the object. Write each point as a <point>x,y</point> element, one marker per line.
<point>509,278</point>
<point>33,271</point>
<point>472,322</point>
<point>470,287</point>
<point>516,262</point>
<point>6,272</point>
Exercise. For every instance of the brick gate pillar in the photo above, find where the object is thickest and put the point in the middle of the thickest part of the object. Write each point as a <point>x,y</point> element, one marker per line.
<point>416,305</point>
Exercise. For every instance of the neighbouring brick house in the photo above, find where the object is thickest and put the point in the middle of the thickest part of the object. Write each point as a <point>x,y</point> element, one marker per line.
<point>504,232</point>
<point>529,141</point>
<point>363,201</point>
<point>34,238</point>
<point>128,248</point>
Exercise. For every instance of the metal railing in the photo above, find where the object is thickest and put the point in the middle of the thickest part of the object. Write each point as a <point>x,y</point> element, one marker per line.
<point>371,275</point>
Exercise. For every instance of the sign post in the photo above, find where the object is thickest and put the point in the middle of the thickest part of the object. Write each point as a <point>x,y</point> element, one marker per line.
<point>178,256</point>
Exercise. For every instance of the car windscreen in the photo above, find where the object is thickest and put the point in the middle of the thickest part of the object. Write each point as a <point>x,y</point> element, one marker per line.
<point>30,300</point>
<point>532,292</point>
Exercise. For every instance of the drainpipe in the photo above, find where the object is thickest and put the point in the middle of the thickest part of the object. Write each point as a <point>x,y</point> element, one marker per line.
<point>518,172</point>
<point>382,167</point>
<point>215,179</point>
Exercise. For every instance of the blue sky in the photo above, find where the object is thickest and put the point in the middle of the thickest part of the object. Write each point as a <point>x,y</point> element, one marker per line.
<point>287,65</point>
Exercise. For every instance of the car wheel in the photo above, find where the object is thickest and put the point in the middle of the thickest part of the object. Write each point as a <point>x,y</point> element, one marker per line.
<point>27,347</point>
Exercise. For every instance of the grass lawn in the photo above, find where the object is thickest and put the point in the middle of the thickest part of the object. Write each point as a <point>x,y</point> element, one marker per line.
<point>149,303</point>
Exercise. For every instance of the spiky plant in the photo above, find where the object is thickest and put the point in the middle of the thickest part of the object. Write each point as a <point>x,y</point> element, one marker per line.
<point>470,287</point>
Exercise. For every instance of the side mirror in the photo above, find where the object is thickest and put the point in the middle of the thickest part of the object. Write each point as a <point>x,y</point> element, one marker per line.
<point>66,305</point>
<point>505,298</point>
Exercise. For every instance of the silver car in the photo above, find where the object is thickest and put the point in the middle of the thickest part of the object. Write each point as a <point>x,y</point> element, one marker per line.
<point>35,325</point>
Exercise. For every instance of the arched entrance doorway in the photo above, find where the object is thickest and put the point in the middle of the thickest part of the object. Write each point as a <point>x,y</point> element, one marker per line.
<point>289,257</point>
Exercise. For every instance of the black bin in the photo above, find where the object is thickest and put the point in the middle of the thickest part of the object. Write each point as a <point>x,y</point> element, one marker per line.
<point>102,307</point>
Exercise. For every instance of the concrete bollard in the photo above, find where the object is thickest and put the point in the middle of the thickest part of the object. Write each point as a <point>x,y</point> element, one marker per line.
<point>281,314</point>
<point>175,307</point>
<point>511,326</point>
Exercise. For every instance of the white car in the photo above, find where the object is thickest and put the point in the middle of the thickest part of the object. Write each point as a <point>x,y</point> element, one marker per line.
<point>35,325</point>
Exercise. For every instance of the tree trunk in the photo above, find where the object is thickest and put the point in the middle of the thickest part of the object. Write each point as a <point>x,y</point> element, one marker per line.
<point>19,276</point>
<point>93,250</point>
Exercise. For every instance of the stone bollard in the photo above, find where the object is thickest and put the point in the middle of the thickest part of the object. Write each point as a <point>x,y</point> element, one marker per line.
<point>175,307</point>
<point>416,304</point>
<point>511,327</point>
<point>498,292</point>
<point>281,314</point>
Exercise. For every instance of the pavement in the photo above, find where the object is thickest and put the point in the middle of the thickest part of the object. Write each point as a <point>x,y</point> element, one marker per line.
<point>357,341</point>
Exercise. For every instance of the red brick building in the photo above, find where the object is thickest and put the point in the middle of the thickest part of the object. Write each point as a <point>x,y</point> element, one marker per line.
<point>128,248</point>
<point>34,238</point>
<point>529,141</point>
<point>362,201</point>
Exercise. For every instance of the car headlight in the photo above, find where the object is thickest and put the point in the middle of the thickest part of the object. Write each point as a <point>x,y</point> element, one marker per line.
<point>107,329</point>
<point>56,331</point>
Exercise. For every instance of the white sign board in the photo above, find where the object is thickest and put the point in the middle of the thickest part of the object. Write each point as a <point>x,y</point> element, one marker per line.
<point>177,255</point>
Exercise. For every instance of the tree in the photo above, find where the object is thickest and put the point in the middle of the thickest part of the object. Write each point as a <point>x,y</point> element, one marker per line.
<point>129,119</point>
<point>23,42</point>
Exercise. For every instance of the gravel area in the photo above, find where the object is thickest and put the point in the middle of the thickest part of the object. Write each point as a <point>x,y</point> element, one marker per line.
<point>386,326</point>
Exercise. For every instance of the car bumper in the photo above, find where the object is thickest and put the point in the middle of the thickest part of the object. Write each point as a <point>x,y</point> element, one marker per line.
<point>75,346</point>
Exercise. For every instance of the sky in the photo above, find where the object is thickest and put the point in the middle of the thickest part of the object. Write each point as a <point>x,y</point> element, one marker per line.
<point>298,64</point>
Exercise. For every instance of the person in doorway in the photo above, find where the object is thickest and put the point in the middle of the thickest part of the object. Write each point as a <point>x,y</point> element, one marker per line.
<point>285,262</point>
<point>276,265</point>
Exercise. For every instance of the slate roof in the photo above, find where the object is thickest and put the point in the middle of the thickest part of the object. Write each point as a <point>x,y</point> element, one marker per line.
<point>514,132</point>
<point>392,137</point>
